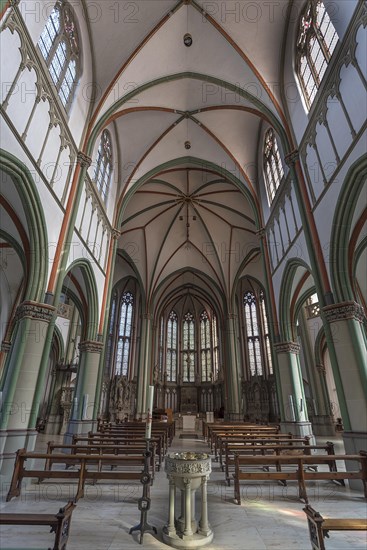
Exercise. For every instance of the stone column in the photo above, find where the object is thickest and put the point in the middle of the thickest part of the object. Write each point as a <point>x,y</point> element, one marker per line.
<point>292,392</point>
<point>321,418</point>
<point>32,320</point>
<point>187,513</point>
<point>145,364</point>
<point>232,375</point>
<point>204,528</point>
<point>171,528</point>
<point>83,419</point>
<point>346,337</point>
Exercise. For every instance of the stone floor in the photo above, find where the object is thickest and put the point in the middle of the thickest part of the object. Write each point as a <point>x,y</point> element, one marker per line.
<point>270,516</point>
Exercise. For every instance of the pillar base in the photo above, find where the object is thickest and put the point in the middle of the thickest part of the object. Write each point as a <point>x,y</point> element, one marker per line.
<point>10,442</point>
<point>353,443</point>
<point>191,541</point>
<point>323,425</point>
<point>300,429</point>
<point>79,427</point>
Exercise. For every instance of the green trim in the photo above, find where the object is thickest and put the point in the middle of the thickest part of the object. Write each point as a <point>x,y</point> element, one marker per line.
<point>341,229</point>
<point>91,295</point>
<point>285,297</point>
<point>273,120</point>
<point>204,164</point>
<point>36,279</point>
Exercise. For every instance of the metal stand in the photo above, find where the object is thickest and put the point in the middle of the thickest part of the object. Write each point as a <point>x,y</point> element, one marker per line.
<point>144,501</point>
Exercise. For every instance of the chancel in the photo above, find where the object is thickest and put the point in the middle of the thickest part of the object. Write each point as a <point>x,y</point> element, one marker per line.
<point>183,214</point>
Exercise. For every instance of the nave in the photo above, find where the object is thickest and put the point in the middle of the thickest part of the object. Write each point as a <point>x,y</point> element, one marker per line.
<point>269,517</point>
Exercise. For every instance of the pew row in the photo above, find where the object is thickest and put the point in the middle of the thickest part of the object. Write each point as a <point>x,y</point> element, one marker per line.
<point>257,463</point>
<point>133,470</point>
<point>319,527</point>
<point>59,523</point>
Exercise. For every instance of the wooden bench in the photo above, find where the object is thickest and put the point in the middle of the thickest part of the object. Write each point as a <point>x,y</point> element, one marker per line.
<point>300,475</point>
<point>59,523</point>
<point>319,527</point>
<point>274,449</point>
<point>100,449</point>
<point>81,475</point>
<point>286,439</point>
<point>101,439</point>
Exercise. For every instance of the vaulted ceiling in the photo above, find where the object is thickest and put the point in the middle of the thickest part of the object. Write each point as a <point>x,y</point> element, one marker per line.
<point>187,122</point>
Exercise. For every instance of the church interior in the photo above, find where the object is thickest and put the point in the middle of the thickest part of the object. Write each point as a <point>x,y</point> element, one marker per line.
<point>183,245</point>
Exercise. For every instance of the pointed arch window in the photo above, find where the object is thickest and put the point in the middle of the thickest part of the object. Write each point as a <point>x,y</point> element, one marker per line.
<point>103,169</point>
<point>316,42</point>
<point>171,358</point>
<point>161,347</point>
<point>60,48</point>
<point>266,334</point>
<point>273,167</point>
<point>124,334</point>
<point>111,326</point>
<point>215,347</point>
<point>188,348</point>
<point>252,332</point>
<point>205,348</point>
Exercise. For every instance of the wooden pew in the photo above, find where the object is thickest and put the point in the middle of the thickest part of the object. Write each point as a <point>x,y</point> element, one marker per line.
<point>241,442</point>
<point>123,439</point>
<point>258,437</point>
<point>274,449</point>
<point>97,450</point>
<point>59,523</point>
<point>81,475</point>
<point>299,475</point>
<point>319,527</point>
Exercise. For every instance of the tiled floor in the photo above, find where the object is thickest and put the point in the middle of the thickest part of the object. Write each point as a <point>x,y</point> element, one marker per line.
<point>270,516</point>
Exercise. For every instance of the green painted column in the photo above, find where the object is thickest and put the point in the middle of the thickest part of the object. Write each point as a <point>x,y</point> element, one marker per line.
<point>232,375</point>
<point>345,324</point>
<point>144,365</point>
<point>83,417</point>
<point>32,320</point>
<point>86,387</point>
<point>295,417</point>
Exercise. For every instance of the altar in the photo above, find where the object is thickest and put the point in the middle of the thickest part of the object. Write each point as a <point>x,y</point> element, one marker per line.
<point>188,421</point>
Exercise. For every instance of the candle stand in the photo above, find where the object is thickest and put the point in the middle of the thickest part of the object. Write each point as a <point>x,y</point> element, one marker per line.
<point>144,501</point>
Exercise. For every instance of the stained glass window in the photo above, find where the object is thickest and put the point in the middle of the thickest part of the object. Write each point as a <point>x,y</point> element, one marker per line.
<point>124,334</point>
<point>188,348</point>
<point>316,42</point>
<point>171,357</point>
<point>59,46</point>
<point>266,334</point>
<point>205,348</point>
<point>252,332</point>
<point>215,347</point>
<point>273,167</point>
<point>103,168</point>
<point>160,346</point>
<point>111,325</point>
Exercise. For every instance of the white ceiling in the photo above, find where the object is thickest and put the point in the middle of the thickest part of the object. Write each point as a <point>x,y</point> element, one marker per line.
<point>216,94</point>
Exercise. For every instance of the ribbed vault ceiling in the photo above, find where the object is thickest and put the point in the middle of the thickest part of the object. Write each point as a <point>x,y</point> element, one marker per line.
<point>188,216</point>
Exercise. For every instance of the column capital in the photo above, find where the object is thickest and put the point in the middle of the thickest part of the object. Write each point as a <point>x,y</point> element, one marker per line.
<point>292,157</point>
<point>321,369</point>
<point>91,346</point>
<point>287,347</point>
<point>83,159</point>
<point>231,316</point>
<point>148,316</point>
<point>343,311</point>
<point>5,346</point>
<point>34,310</point>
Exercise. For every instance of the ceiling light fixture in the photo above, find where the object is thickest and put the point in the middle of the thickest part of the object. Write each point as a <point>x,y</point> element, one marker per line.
<point>187,39</point>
